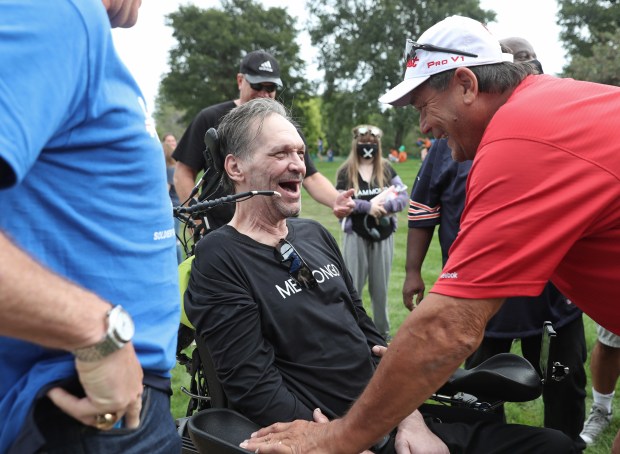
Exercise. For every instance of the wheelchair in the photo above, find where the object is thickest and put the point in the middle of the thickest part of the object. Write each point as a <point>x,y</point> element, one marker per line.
<point>210,426</point>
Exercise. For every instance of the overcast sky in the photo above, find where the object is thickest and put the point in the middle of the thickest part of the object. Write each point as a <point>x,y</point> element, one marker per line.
<point>144,47</point>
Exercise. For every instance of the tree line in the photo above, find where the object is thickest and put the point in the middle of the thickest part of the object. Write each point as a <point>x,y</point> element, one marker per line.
<point>359,44</point>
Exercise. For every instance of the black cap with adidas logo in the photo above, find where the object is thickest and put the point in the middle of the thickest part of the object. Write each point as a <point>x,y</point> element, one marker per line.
<point>259,66</point>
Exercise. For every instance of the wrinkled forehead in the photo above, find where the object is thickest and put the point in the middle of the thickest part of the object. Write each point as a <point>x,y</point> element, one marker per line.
<point>420,94</point>
<point>275,131</point>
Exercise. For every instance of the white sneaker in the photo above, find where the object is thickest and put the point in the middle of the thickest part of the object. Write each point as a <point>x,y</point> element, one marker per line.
<point>597,421</point>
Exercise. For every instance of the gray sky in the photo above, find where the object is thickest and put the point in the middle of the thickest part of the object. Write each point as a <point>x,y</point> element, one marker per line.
<point>144,47</point>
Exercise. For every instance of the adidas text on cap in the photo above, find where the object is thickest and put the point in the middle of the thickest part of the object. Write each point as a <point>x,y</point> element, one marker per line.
<point>455,41</point>
<point>259,66</point>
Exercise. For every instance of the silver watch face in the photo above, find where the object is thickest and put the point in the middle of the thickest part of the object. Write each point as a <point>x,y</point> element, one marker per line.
<point>122,324</point>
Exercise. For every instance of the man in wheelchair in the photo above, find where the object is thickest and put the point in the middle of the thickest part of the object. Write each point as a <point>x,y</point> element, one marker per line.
<point>270,296</point>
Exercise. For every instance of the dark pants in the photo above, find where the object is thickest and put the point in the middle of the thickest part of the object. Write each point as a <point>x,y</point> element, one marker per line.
<point>466,431</point>
<point>564,400</point>
<point>58,433</point>
<point>500,438</point>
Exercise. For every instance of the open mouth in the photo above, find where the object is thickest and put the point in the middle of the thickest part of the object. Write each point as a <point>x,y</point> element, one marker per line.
<point>290,187</point>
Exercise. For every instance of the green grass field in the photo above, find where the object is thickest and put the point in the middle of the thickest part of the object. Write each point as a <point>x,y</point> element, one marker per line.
<point>530,413</point>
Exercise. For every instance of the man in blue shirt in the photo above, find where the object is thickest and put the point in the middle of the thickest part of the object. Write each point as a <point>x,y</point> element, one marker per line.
<point>88,286</point>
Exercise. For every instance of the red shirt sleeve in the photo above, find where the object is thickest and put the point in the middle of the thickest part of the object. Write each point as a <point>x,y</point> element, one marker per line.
<point>523,213</point>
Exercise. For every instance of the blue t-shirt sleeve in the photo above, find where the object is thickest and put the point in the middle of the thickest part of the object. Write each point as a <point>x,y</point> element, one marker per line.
<point>44,69</point>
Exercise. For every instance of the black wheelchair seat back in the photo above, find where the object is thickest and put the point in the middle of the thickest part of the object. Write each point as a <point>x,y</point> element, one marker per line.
<point>220,430</point>
<point>214,387</point>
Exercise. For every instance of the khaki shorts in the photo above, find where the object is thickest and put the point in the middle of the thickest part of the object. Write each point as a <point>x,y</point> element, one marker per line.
<point>607,337</point>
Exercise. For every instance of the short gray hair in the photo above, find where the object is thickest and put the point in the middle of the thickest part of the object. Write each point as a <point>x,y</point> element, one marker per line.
<point>240,127</point>
<point>496,78</point>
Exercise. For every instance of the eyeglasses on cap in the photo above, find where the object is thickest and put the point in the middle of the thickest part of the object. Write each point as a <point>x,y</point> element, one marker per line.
<point>411,47</point>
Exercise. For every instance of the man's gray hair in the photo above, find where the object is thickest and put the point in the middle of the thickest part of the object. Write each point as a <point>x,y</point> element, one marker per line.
<point>496,78</point>
<point>241,126</point>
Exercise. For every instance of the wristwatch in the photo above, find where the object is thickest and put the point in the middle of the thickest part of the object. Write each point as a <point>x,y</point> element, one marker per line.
<point>119,332</point>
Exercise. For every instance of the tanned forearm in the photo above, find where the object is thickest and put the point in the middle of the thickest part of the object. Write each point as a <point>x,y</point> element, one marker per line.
<point>184,180</point>
<point>430,345</point>
<point>321,189</point>
<point>42,307</point>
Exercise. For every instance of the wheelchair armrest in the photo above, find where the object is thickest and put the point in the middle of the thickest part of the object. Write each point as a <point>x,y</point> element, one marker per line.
<point>506,377</point>
<point>219,431</point>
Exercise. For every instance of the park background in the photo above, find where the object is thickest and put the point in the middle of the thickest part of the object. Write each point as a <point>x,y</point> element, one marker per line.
<point>339,56</point>
<point>356,48</point>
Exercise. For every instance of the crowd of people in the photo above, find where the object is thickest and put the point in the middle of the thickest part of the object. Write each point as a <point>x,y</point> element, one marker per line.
<point>288,341</point>
<point>518,229</point>
<point>88,275</point>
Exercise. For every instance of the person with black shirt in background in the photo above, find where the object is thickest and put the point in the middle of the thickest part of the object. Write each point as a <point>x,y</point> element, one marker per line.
<point>258,77</point>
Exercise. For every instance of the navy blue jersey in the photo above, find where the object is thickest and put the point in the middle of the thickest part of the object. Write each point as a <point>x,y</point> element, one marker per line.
<point>438,194</point>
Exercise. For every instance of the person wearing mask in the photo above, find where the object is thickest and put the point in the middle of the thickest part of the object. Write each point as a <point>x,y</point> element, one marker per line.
<point>368,241</point>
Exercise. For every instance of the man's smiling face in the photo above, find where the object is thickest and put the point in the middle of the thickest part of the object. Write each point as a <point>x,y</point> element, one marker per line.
<point>277,164</point>
<point>452,114</point>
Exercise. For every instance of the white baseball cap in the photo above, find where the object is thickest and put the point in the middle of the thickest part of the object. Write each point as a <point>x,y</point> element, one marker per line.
<point>453,42</point>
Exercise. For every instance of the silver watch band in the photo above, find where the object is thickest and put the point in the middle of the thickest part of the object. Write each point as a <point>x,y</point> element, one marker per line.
<point>119,331</point>
<point>98,351</point>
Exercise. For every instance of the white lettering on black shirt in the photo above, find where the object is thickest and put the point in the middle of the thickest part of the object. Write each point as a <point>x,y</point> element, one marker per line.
<point>292,287</point>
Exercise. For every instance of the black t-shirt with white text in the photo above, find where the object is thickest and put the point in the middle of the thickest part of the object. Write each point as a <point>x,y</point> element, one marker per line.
<point>292,348</point>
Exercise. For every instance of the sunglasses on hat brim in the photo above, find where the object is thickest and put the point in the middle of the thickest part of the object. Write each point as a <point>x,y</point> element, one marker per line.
<point>411,47</point>
<point>260,86</point>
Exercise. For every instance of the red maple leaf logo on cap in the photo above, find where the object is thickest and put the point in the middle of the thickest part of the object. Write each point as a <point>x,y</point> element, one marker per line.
<point>412,62</point>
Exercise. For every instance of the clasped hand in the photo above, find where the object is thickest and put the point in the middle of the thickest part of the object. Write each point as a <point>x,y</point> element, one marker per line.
<point>376,208</point>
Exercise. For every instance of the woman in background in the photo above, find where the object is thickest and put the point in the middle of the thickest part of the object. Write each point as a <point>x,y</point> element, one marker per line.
<point>169,143</point>
<point>368,242</point>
